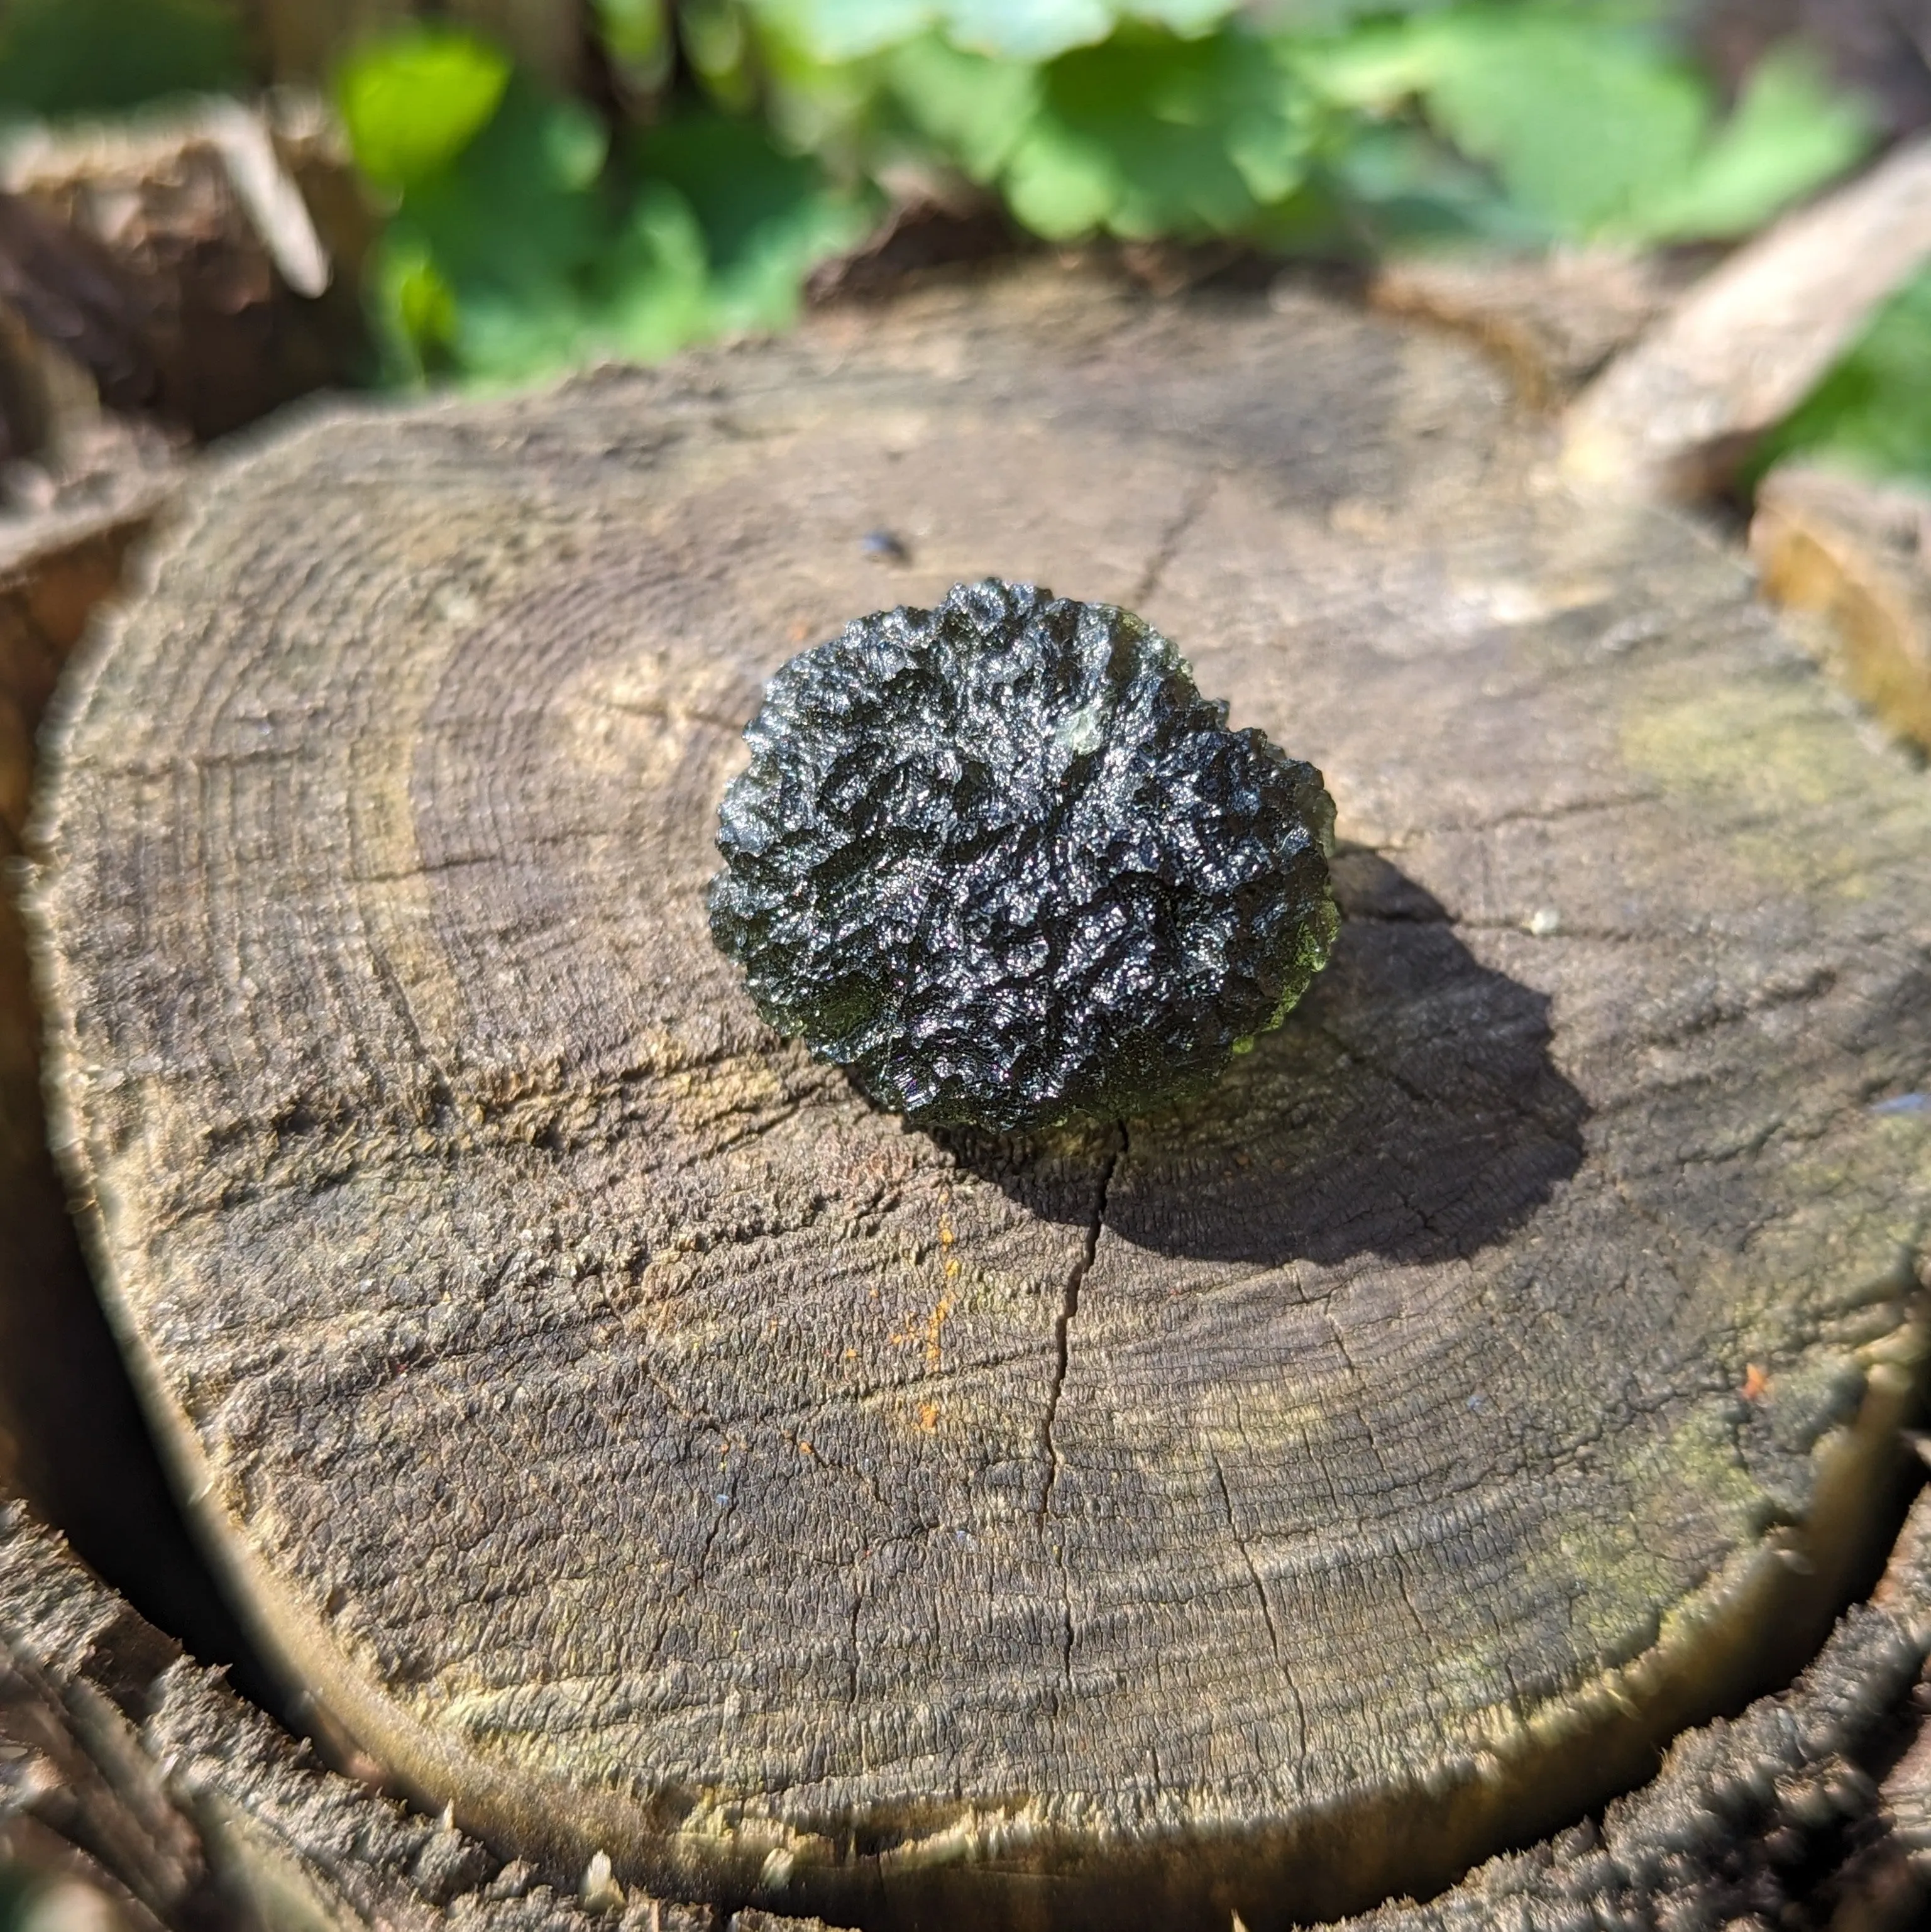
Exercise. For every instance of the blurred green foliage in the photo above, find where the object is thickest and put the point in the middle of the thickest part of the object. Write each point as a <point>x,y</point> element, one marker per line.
<point>1873,411</point>
<point>1535,121</point>
<point>412,106</point>
<point>59,57</point>
<point>742,142</point>
<point>1595,127</point>
<point>832,31</point>
<point>1142,134</point>
<point>524,237</point>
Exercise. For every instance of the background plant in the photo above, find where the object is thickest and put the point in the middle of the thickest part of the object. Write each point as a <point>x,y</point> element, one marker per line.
<point>713,151</point>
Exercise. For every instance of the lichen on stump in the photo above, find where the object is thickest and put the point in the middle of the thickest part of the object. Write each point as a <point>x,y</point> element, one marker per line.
<point>645,1445</point>
<point>1002,862</point>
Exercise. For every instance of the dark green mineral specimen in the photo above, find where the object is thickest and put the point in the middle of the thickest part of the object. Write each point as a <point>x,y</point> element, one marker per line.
<point>1002,862</point>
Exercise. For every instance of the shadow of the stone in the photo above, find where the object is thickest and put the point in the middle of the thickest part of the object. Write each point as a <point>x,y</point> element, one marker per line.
<point>1408,1109</point>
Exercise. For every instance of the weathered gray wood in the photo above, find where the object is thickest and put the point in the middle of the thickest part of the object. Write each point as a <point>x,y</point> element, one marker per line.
<point>1733,1829</point>
<point>644,1447</point>
<point>122,1761</point>
<point>125,1762</point>
<point>71,1436</point>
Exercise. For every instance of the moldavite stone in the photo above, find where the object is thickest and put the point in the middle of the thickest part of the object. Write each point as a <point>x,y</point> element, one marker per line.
<point>1001,861</point>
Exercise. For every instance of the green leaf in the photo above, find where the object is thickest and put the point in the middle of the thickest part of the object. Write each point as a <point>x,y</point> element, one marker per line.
<point>636,35</point>
<point>425,304</point>
<point>836,31</point>
<point>65,57</point>
<point>1402,186</point>
<point>516,201</point>
<point>766,219</point>
<point>509,235</point>
<point>1586,126</point>
<point>525,254</point>
<point>1147,134</point>
<point>657,297</point>
<point>717,42</point>
<point>644,296</point>
<point>574,144</point>
<point>1374,69</point>
<point>1594,125</point>
<point>1027,30</point>
<point>827,108</point>
<point>1060,183</point>
<point>1789,134</point>
<point>1189,18</point>
<point>413,308</point>
<point>972,109</point>
<point>1873,411</point>
<point>414,101</point>
<point>832,31</point>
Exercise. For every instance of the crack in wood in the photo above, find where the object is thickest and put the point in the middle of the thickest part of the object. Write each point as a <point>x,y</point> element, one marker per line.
<point>1069,1308</point>
<point>1171,538</point>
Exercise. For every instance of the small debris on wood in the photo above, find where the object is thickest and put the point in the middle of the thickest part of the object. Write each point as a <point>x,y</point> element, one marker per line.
<point>887,546</point>
<point>599,1889</point>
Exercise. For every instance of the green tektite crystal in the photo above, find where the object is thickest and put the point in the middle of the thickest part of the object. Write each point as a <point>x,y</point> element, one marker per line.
<point>1001,861</point>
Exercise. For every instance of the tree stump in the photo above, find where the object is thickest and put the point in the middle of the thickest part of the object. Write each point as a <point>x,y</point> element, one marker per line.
<point>644,1447</point>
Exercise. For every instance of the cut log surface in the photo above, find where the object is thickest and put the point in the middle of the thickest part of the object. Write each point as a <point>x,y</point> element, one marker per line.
<point>123,1763</point>
<point>646,1448</point>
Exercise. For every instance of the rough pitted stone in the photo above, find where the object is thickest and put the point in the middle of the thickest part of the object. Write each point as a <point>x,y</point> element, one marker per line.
<point>1002,861</point>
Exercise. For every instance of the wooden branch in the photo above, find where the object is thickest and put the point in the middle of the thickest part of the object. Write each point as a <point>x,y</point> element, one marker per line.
<point>227,243</point>
<point>1674,414</point>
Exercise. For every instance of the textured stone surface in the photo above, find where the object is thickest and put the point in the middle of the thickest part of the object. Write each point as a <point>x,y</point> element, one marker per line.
<point>1001,861</point>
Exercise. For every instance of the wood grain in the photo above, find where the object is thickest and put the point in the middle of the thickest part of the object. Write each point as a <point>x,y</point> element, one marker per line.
<point>645,1448</point>
<point>72,1437</point>
<point>125,1762</point>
